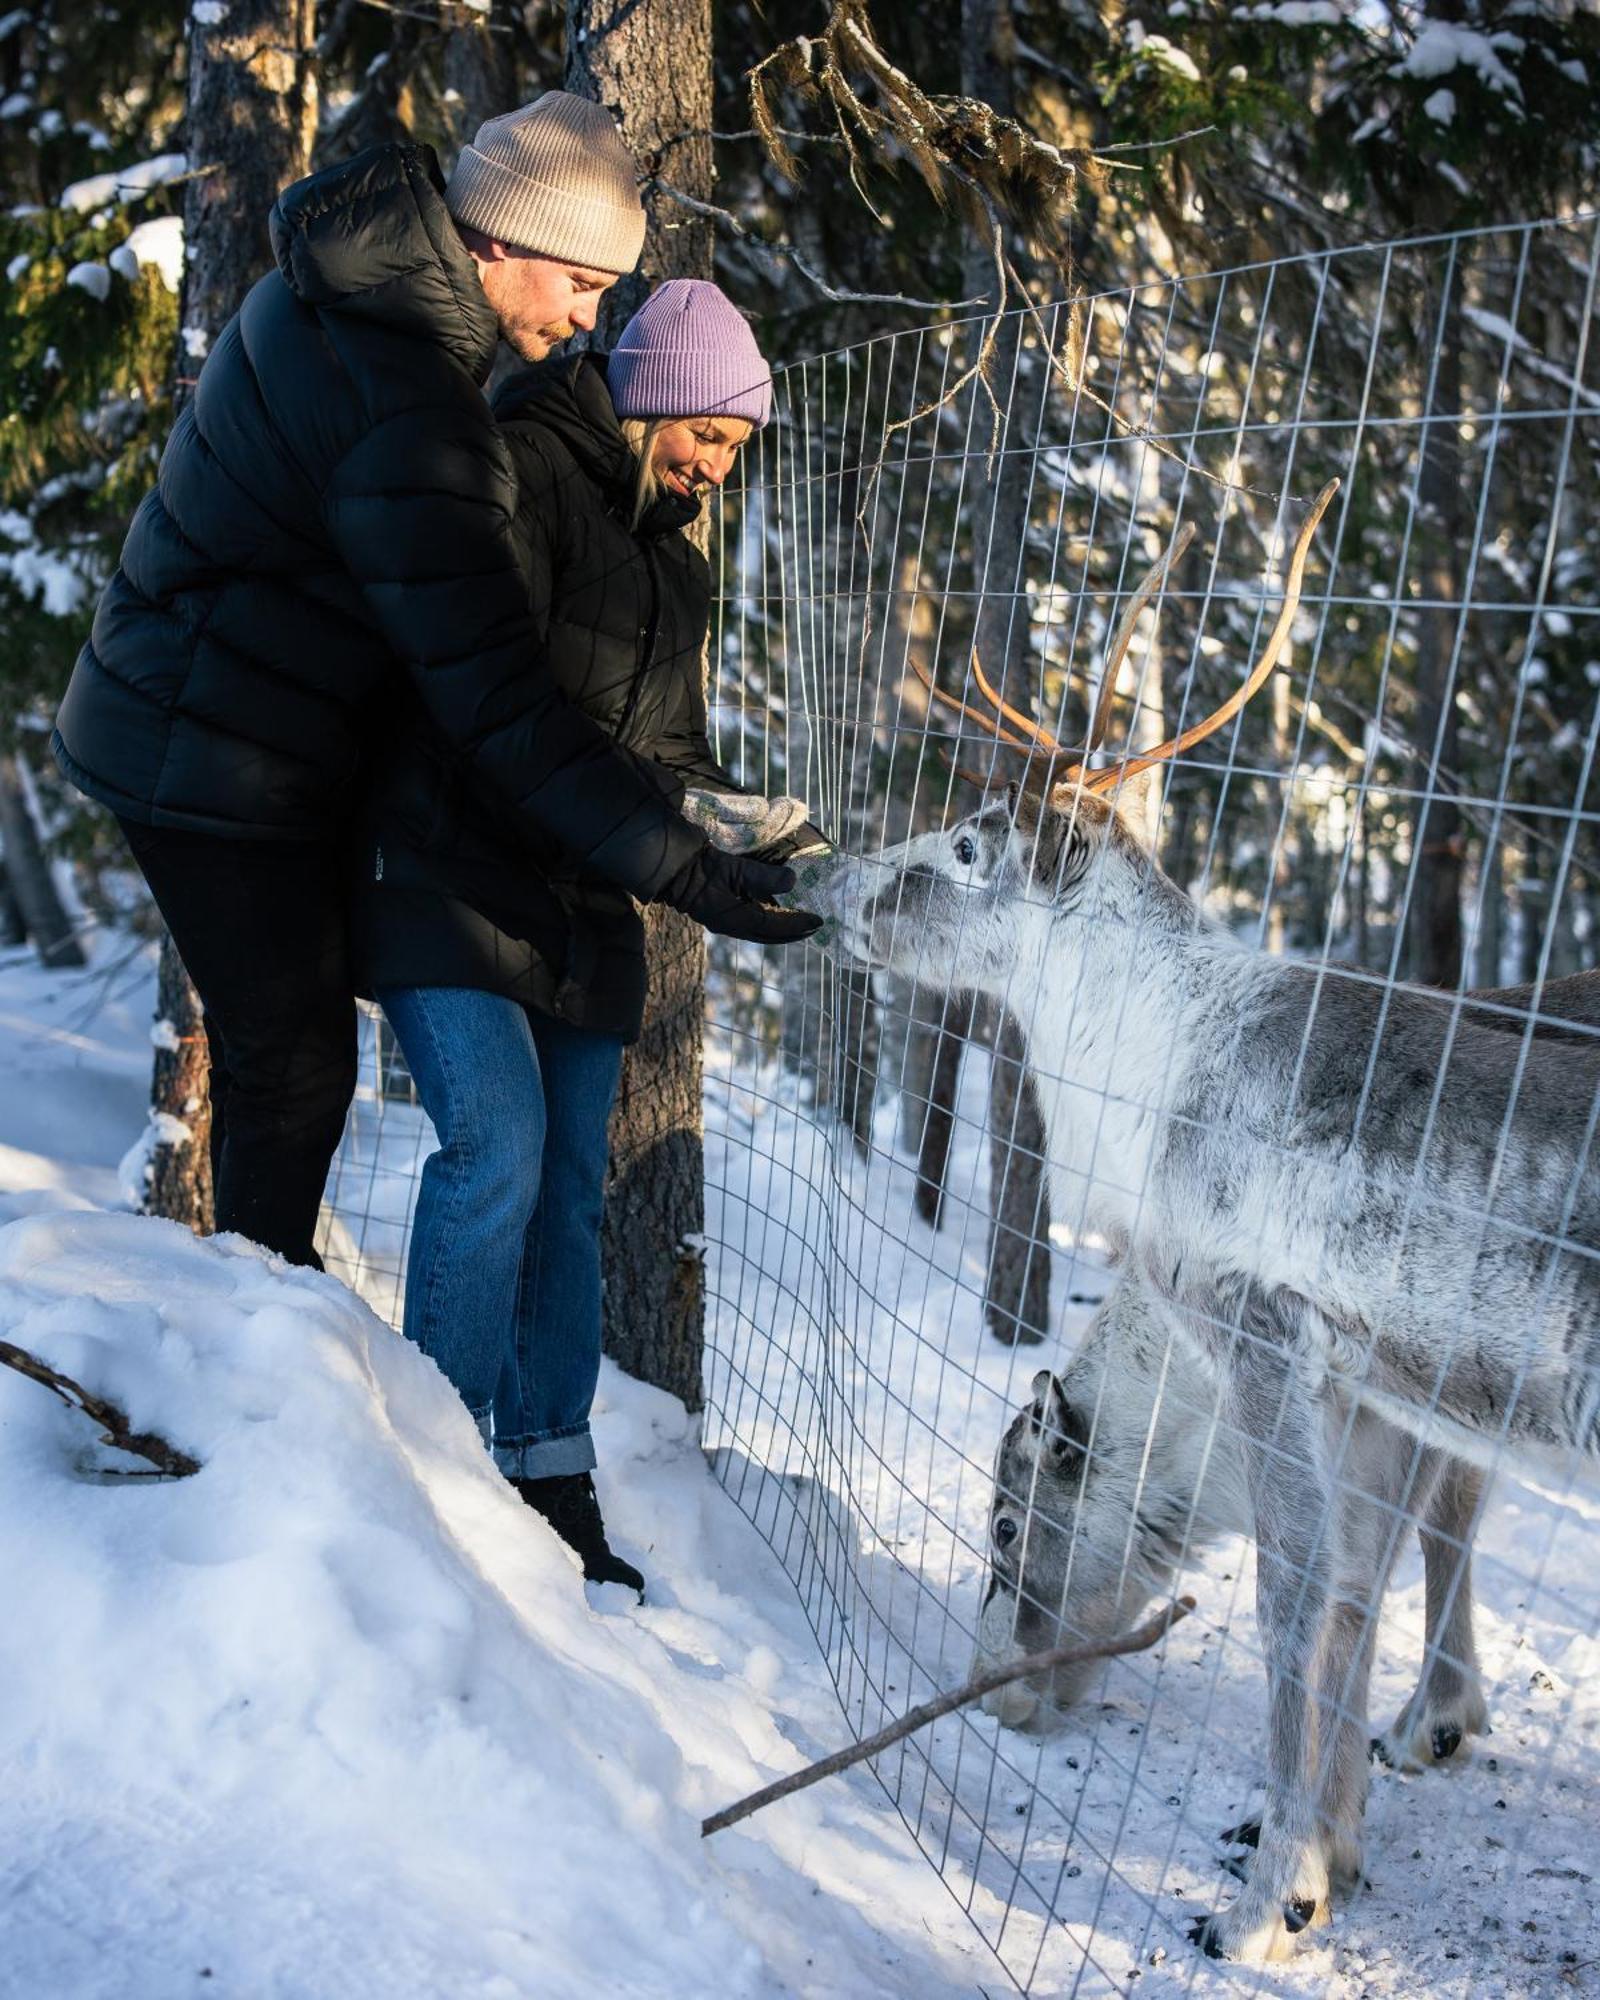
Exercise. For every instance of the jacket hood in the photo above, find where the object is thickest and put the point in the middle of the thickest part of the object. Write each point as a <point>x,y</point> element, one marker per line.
<point>568,397</point>
<point>372,237</point>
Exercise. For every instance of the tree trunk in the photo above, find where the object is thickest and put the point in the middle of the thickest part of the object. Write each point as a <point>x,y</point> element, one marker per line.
<point>650,65</point>
<point>13,931</point>
<point>252,113</point>
<point>939,1120</point>
<point>32,892</point>
<point>1017,1293</point>
<point>479,67</point>
<point>1433,920</point>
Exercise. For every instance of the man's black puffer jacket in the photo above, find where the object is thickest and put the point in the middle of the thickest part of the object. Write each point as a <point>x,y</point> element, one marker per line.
<point>336,497</point>
<point>445,896</point>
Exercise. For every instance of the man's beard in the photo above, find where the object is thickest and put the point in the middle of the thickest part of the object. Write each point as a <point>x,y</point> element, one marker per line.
<point>541,342</point>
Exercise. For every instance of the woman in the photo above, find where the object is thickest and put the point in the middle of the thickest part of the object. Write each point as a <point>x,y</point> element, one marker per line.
<point>511,979</point>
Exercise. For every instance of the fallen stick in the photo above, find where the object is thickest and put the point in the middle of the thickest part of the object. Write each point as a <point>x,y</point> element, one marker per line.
<point>118,1431</point>
<point>1137,1641</point>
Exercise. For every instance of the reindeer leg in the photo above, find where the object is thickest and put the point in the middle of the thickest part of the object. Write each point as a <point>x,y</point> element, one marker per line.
<point>1282,1434</point>
<point>1448,1703</point>
<point>1373,1477</point>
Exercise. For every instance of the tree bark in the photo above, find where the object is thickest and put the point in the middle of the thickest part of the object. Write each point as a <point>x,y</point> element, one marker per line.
<point>1017,1292</point>
<point>478,67</point>
<point>27,870</point>
<point>938,1127</point>
<point>650,65</point>
<point>252,114</point>
<point>1433,919</point>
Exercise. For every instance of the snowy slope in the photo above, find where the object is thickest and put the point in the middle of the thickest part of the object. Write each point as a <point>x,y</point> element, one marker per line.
<point>337,1716</point>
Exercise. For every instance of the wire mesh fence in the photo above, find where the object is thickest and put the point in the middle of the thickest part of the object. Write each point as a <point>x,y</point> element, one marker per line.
<point>909,1263</point>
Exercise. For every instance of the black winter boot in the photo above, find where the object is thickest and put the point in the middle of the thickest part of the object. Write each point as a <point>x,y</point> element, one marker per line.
<point>569,1503</point>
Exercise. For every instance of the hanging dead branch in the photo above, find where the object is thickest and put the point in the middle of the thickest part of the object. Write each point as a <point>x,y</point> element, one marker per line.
<point>1140,1640</point>
<point>166,1458</point>
<point>964,151</point>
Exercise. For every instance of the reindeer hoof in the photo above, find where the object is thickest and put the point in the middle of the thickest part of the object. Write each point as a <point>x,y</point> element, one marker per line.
<point>1378,1750</point>
<point>1297,1914</point>
<point>1446,1741</point>
<point>1203,1933</point>
<point>1246,1834</point>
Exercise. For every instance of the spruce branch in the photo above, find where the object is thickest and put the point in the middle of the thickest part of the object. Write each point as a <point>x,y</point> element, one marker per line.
<point>166,1458</point>
<point>1140,1640</point>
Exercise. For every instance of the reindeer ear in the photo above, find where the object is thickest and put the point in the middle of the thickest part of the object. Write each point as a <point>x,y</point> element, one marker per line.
<point>1064,1432</point>
<point>1135,800</point>
<point>1013,793</point>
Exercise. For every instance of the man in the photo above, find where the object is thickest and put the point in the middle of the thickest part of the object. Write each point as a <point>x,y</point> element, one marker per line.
<point>335,504</point>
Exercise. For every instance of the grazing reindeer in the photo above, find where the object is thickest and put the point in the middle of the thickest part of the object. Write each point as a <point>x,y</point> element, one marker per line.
<point>1121,1469</point>
<point>1121,1466</point>
<point>1355,1197</point>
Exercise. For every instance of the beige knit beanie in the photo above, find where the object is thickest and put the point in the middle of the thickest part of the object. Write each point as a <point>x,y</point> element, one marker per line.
<point>554,178</point>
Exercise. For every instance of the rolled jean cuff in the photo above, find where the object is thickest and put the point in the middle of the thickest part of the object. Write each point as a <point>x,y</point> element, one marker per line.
<point>548,1457</point>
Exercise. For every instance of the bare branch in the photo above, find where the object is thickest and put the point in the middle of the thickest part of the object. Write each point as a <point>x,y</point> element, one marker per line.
<point>780,253</point>
<point>118,1431</point>
<point>1138,1641</point>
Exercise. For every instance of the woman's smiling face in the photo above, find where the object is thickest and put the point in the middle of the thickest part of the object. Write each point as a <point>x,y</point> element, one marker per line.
<point>693,452</point>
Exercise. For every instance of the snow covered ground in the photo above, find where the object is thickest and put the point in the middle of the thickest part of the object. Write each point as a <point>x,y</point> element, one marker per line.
<point>338,1717</point>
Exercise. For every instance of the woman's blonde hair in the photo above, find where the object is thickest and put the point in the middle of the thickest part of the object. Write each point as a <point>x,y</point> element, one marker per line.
<point>639,434</point>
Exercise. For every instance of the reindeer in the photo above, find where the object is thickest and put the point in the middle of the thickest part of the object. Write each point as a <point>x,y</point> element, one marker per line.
<point>1121,1469</point>
<point>1353,1197</point>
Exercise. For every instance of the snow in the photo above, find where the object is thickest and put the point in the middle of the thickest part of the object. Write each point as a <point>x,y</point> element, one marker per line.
<point>95,279</point>
<point>1442,47</point>
<point>338,1713</point>
<point>123,182</point>
<point>1297,13</point>
<point>158,242</point>
<point>15,266</point>
<point>53,576</point>
<point>1440,107</point>
<point>340,1702</point>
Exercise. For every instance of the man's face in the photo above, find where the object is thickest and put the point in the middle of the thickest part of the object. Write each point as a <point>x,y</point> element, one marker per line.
<point>541,301</point>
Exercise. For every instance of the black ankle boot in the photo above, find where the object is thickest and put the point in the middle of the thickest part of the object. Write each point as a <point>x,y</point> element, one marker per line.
<point>568,1502</point>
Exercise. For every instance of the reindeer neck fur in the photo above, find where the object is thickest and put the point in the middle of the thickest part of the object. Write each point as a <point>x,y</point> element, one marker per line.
<point>1120,983</point>
<point>1150,1400</point>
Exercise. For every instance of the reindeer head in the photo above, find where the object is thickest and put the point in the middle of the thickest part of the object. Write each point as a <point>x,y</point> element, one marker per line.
<point>1097,1498</point>
<point>974,906</point>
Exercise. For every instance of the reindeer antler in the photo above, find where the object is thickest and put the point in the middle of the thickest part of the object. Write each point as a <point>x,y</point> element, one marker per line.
<point>1026,734</point>
<point>1122,638</point>
<point>1109,779</point>
<point>1008,725</point>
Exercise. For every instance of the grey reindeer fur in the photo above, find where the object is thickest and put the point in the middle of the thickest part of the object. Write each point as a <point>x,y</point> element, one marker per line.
<point>1357,1200</point>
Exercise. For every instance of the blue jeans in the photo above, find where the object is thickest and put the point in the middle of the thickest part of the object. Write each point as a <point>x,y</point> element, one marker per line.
<point>503,1279</point>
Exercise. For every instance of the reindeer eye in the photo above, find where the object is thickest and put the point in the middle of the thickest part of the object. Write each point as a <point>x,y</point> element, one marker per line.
<point>966,850</point>
<point>1005,1531</point>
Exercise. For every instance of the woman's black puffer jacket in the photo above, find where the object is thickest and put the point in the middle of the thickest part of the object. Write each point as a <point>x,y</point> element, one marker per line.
<point>444,894</point>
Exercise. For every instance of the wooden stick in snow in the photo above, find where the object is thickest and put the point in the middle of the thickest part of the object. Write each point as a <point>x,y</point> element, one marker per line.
<point>1140,1640</point>
<point>118,1431</point>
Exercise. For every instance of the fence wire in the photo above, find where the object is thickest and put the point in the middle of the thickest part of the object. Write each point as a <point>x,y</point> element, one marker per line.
<point>1412,799</point>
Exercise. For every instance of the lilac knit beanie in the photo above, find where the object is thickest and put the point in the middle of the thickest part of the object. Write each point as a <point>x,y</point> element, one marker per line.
<point>687,352</point>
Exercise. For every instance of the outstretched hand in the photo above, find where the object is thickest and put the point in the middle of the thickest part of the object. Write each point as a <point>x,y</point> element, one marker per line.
<point>735,897</point>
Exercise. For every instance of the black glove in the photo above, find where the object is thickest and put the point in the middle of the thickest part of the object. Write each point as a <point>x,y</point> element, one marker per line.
<point>732,895</point>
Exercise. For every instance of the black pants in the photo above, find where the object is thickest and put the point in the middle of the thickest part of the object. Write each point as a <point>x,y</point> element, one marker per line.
<point>260,926</point>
